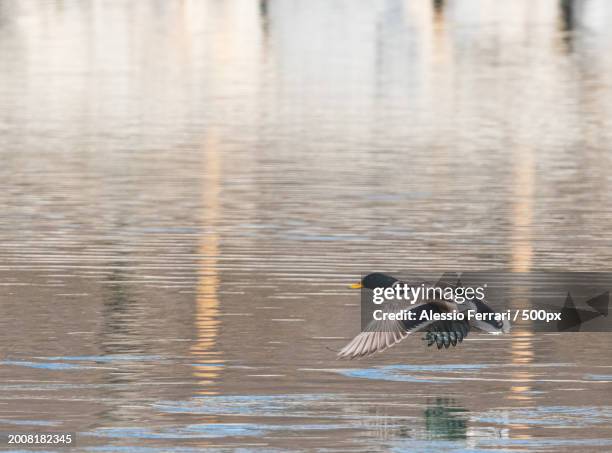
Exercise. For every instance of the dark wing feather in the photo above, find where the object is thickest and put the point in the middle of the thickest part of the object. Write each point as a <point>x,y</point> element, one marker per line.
<point>446,333</point>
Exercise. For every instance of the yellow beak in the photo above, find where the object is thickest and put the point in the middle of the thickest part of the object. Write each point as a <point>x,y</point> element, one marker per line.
<point>356,285</point>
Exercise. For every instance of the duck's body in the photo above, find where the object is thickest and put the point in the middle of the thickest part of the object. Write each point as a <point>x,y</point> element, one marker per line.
<point>380,335</point>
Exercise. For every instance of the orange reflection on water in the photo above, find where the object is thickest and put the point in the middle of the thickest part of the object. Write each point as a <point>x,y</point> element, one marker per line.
<point>209,362</point>
<point>522,354</point>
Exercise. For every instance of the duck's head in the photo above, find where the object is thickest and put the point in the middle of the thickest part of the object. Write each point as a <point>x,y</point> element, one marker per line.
<point>375,280</point>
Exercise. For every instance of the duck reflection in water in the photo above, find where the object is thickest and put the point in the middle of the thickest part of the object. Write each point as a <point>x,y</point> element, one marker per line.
<point>445,420</point>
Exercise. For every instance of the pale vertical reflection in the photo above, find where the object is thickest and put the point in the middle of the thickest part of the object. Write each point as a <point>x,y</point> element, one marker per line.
<point>442,70</point>
<point>521,261</point>
<point>522,255</point>
<point>522,212</point>
<point>227,23</point>
<point>209,362</point>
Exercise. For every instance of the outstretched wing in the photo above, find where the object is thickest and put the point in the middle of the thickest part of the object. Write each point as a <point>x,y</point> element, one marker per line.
<point>381,335</point>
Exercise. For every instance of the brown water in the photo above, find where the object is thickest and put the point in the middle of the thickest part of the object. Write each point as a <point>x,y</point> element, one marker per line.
<point>189,186</point>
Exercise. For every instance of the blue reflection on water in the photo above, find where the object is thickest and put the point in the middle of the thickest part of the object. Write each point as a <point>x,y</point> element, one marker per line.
<point>396,372</point>
<point>138,449</point>
<point>106,358</point>
<point>493,445</point>
<point>55,363</point>
<point>557,416</point>
<point>259,405</point>
<point>599,377</point>
<point>43,365</point>
<point>207,430</point>
<point>28,422</point>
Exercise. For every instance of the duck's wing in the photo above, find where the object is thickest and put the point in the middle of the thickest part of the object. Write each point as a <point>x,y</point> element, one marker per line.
<point>380,335</point>
<point>449,280</point>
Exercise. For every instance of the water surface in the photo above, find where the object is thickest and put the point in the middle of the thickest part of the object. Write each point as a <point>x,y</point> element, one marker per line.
<point>188,188</point>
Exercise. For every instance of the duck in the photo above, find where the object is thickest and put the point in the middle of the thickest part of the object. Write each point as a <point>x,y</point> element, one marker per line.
<point>379,335</point>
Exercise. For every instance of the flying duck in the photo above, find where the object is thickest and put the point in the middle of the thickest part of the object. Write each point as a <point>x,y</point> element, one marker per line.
<point>379,335</point>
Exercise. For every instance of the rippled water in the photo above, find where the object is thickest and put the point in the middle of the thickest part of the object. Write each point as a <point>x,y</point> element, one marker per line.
<point>189,186</point>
